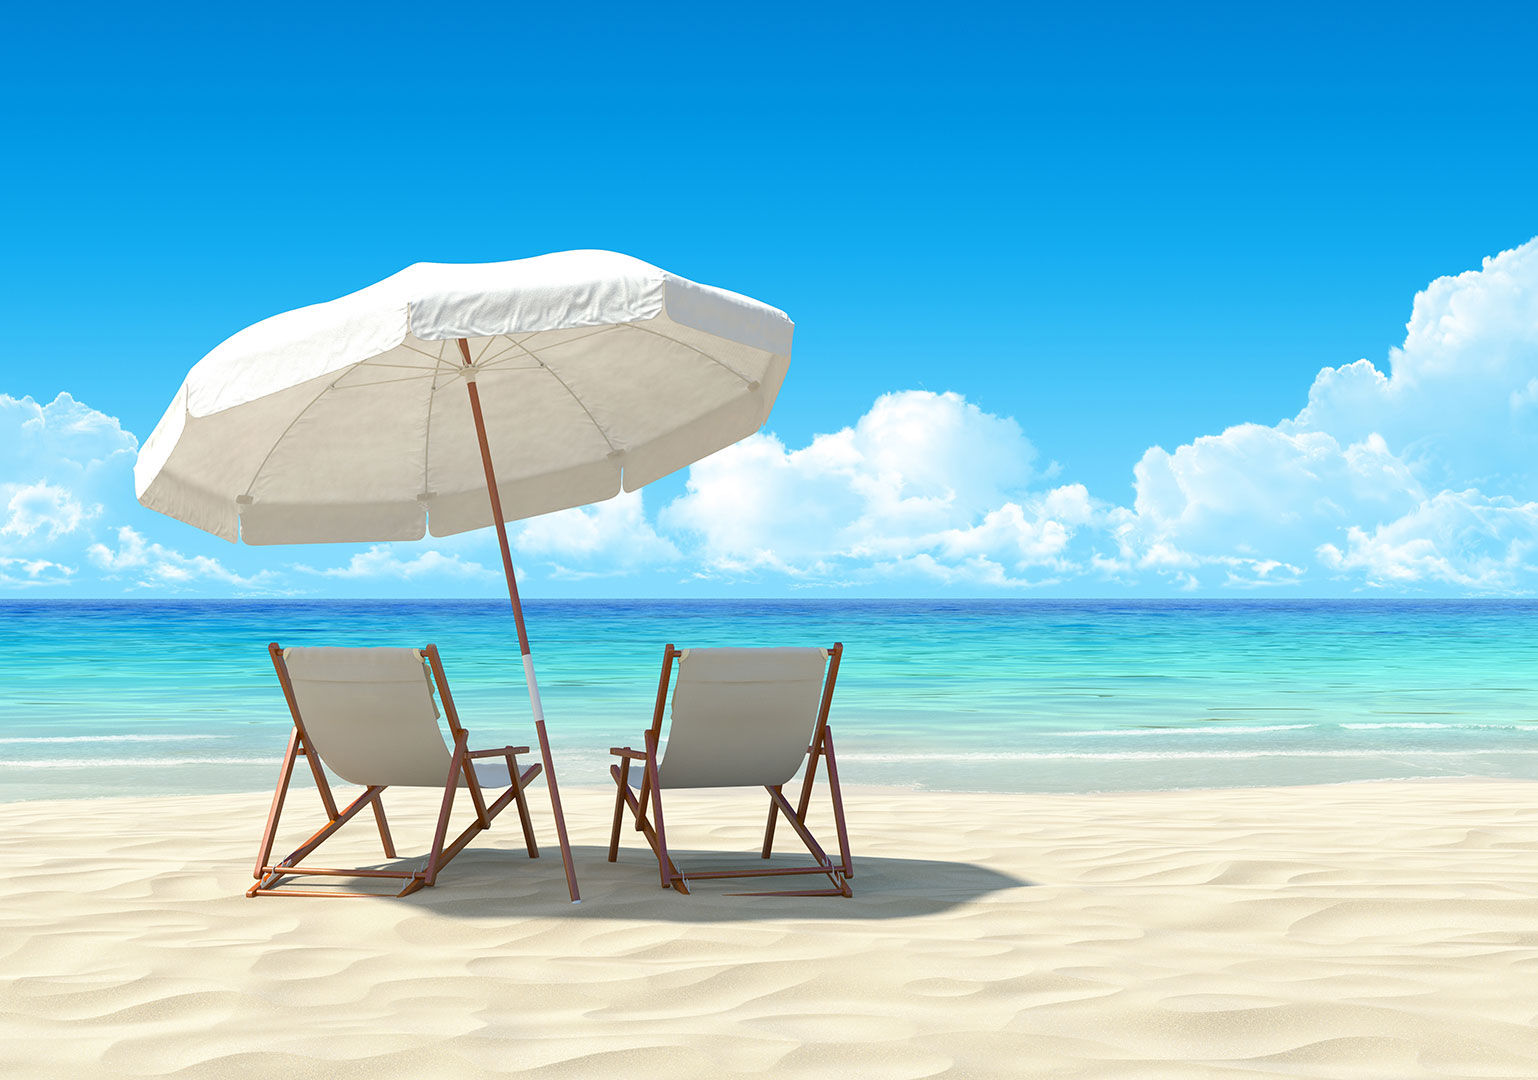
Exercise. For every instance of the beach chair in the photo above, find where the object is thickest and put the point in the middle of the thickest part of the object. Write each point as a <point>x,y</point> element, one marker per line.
<point>369,715</point>
<point>740,718</point>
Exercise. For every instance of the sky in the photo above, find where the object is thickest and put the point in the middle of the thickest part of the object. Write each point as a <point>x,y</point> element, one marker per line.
<point>1124,300</point>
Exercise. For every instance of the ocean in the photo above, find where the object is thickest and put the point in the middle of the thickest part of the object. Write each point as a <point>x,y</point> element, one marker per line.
<point>103,698</point>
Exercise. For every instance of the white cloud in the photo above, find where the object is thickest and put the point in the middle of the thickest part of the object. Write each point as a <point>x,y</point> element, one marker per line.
<point>1255,499</point>
<point>33,508</point>
<point>611,538</point>
<point>63,442</point>
<point>60,462</point>
<point>385,561</point>
<point>1458,400</point>
<point>923,484</point>
<point>155,566</point>
<point>1381,478</point>
<point>1420,476</point>
<point>1463,538</point>
<point>32,573</point>
<point>66,490</point>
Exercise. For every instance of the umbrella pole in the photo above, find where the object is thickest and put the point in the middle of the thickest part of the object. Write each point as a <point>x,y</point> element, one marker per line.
<point>523,634</point>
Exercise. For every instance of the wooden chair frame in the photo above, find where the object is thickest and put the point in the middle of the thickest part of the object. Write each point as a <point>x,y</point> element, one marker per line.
<point>821,748</point>
<point>270,875</point>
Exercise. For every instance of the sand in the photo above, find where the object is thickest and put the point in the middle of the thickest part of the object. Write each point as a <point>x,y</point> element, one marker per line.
<point>1370,930</point>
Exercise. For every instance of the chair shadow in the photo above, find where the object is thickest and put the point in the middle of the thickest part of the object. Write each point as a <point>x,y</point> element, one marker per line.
<point>491,883</point>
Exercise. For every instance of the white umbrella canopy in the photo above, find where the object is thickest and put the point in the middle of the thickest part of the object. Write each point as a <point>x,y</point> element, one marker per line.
<point>346,421</point>
<point>449,397</point>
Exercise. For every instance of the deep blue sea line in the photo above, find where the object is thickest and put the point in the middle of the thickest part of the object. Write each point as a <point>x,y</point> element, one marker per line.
<point>111,697</point>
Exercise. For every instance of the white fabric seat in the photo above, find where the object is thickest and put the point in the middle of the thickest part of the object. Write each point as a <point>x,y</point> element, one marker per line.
<point>492,772</point>
<point>370,714</point>
<point>741,717</point>
<point>373,718</point>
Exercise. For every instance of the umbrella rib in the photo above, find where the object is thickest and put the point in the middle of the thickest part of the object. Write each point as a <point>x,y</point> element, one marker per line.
<point>421,374</point>
<point>489,359</point>
<point>290,427</point>
<point>427,428</point>
<point>580,403</point>
<point>399,367</point>
<point>300,414</point>
<point>691,348</point>
<point>595,331</point>
<point>439,363</point>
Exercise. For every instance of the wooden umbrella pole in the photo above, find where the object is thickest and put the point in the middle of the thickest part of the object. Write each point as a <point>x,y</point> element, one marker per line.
<point>523,634</point>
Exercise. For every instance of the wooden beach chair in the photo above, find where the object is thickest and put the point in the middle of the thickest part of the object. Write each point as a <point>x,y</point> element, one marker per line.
<point>740,718</point>
<point>369,715</point>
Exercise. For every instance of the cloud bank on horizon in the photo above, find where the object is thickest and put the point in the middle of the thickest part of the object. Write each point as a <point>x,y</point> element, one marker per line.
<point>1414,479</point>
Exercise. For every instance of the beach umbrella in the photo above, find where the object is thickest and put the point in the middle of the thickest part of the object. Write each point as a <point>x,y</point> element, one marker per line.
<point>449,397</point>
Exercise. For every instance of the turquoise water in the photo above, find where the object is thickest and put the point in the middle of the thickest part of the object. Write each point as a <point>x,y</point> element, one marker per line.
<point>104,698</point>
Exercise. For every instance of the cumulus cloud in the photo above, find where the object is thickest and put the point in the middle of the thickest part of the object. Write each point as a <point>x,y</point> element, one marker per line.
<point>33,573</point>
<point>66,493</point>
<point>60,462</point>
<point>1459,401</point>
<point>1255,500</point>
<point>923,484</point>
<point>387,561</point>
<point>44,510</point>
<point>154,566</point>
<point>608,539</point>
<point>1415,476</point>
<point>1465,539</point>
<point>62,441</point>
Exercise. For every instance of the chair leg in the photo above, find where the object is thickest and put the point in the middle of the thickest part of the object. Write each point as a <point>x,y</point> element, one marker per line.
<point>774,813</point>
<point>663,862</point>
<point>845,858</point>
<point>650,792</point>
<point>269,875</point>
<point>322,788</point>
<point>805,801</point>
<point>824,864</point>
<point>801,830</point>
<point>384,829</point>
<point>649,833</point>
<point>523,803</point>
<point>444,855</point>
<point>285,774</point>
<point>641,824</point>
<point>442,832</point>
<point>622,779</point>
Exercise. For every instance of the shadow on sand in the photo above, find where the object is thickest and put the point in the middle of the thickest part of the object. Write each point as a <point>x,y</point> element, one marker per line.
<point>491,883</point>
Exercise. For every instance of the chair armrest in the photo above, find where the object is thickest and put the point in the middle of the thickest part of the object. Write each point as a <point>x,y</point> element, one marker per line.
<point>500,751</point>
<point>626,752</point>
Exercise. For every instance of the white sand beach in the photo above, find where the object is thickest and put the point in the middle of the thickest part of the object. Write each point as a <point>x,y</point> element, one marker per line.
<point>1366,930</point>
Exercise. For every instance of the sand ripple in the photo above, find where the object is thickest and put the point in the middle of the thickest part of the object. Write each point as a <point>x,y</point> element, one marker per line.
<point>1375,930</point>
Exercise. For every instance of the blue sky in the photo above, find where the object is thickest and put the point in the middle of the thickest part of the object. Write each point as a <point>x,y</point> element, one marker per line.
<point>1050,240</point>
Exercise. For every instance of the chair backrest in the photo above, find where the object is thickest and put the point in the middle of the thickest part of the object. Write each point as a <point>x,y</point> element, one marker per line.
<point>370,714</point>
<point>741,717</point>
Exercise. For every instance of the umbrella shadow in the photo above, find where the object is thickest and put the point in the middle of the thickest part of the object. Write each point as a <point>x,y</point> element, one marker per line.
<point>488,883</point>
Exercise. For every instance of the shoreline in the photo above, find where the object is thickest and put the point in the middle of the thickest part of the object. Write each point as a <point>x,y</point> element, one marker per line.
<point>302,782</point>
<point>1368,928</point>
